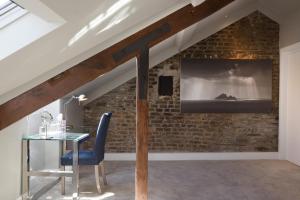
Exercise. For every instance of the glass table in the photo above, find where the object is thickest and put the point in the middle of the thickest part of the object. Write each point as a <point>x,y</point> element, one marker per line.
<point>75,138</point>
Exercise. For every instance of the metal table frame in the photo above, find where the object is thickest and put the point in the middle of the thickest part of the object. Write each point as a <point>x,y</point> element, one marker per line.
<point>61,173</point>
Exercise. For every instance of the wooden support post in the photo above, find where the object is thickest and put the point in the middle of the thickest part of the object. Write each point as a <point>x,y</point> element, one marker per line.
<point>141,174</point>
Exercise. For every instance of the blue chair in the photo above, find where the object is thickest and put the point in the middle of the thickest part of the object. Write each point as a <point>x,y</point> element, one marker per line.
<point>93,157</point>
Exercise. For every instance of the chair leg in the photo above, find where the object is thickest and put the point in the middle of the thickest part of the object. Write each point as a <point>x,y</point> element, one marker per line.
<point>63,182</point>
<point>97,178</point>
<point>101,164</point>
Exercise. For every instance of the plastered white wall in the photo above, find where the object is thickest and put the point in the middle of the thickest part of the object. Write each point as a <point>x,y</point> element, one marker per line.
<point>52,148</point>
<point>10,155</point>
<point>293,108</point>
<point>74,112</point>
<point>289,113</point>
<point>43,154</point>
<point>37,147</point>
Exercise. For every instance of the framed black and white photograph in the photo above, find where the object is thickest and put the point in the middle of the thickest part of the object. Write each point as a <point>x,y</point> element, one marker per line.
<point>220,86</point>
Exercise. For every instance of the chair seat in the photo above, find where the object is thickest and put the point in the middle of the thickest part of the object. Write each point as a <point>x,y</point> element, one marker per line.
<point>84,158</point>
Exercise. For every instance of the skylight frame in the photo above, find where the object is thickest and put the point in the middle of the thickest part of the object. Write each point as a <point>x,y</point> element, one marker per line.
<point>7,7</point>
<point>9,12</point>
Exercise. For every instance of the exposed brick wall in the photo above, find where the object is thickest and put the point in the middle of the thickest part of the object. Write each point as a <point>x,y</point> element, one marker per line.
<point>253,37</point>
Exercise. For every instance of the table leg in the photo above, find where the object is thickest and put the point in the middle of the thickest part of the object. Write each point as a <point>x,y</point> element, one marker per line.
<point>62,148</point>
<point>25,169</point>
<point>75,179</point>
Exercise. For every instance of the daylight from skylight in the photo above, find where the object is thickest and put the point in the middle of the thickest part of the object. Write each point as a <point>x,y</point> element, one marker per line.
<point>9,12</point>
<point>116,13</point>
<point>3,2</point>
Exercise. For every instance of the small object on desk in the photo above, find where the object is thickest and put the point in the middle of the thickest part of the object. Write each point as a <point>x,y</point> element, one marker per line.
<point>47,118</point>
<point>43,130</point>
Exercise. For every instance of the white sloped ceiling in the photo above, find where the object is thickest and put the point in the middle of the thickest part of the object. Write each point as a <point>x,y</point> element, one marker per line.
<point>92,26</point>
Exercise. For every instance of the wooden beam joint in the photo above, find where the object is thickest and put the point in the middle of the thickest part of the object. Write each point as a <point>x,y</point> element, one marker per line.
<point>141,42</point>
<point>143,71</point>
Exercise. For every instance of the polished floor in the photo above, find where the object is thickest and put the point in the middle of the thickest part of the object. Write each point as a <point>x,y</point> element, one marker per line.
<point>193,180</point>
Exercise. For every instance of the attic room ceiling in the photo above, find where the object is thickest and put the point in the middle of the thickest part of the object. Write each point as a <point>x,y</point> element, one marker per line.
<point>92,26</point>
<point>179,42</point>
<point>81,9</point>
<point>106,60</point>
<point>96,27</point>
<point>279,9</point>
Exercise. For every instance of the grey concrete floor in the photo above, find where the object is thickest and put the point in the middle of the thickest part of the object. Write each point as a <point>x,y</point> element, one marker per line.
<point>192,180</point>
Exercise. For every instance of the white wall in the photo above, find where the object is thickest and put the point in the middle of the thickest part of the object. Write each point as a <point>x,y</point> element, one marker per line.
<point>289,46</point>
<point>43,154</point>
<point>10,155</point>
<point>37,147</point>
<point>293,108</point>
<point>74,113</point>
<point>52,148</point>
<point>289,104</point>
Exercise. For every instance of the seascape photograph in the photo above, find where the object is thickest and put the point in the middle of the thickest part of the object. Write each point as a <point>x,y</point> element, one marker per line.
<point>221,86</point>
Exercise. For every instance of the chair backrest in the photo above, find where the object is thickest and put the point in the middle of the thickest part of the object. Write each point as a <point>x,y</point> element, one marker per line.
<point>101,135</point>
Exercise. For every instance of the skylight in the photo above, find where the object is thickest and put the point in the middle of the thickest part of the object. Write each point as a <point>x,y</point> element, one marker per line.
<point>9,12</point>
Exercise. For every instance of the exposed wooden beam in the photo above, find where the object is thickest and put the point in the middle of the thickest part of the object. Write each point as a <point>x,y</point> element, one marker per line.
<point>141,176</point>
<point>104,61</point>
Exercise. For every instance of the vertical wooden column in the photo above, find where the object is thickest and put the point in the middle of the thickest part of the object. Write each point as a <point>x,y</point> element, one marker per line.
<point>141,173</point>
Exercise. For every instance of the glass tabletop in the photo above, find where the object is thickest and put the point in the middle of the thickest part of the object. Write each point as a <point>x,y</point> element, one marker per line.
<point>57,136</point>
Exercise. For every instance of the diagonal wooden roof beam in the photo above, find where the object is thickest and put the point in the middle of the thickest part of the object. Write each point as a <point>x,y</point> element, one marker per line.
<point>104,61</point>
